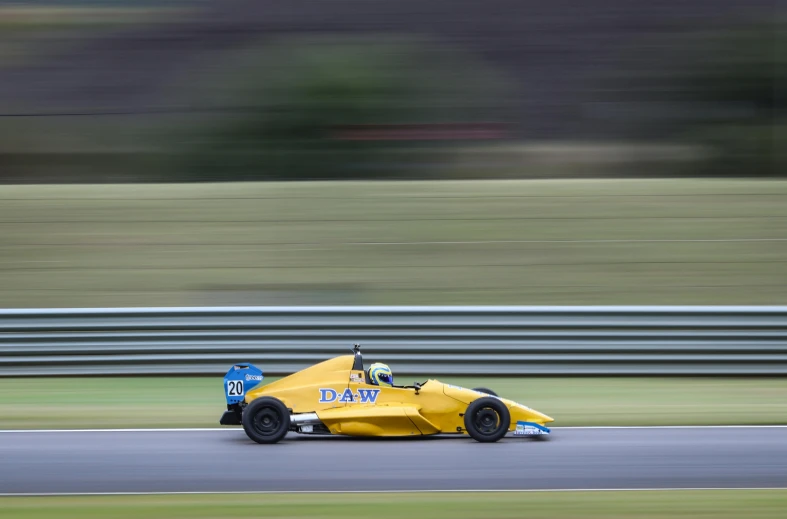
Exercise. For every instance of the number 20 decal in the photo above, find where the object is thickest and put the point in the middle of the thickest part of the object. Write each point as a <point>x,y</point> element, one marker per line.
<point>235,388</point>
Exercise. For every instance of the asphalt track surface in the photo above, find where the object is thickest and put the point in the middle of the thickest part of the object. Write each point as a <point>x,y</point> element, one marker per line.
<point>225,460</point>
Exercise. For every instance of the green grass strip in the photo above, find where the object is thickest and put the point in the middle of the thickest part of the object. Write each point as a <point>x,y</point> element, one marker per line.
<point>130,402</point>
<point>721,504</point>
<point>567,242</point>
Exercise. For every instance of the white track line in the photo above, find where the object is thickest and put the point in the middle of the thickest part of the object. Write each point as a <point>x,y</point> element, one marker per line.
<point>568,428</point>
<point>415,491</point>
<point>503,242</point>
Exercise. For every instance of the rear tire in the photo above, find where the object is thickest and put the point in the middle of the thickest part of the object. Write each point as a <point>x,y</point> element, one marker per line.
<point>485,390</point>
<point>487,419</point>
<point>266,420</point>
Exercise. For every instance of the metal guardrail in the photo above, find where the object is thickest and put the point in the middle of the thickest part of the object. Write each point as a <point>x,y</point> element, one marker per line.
<point>413,340</point>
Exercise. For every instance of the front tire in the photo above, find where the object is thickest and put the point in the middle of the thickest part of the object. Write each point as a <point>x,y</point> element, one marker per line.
<point>485,390</point>
<point>487,419</point>
<point>266,420</point>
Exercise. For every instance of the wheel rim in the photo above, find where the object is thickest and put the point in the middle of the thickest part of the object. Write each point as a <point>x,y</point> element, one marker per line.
<point>486,420</point>
<point>267,421</point>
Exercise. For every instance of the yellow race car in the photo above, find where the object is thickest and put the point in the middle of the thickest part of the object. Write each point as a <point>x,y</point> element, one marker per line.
<point>338,396</point>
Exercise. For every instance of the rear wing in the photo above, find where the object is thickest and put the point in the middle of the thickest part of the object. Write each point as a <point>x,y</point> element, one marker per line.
<point>239,380</point>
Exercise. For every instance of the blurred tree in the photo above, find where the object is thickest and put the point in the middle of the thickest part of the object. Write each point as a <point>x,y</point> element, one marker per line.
<point>743,74</point>
<point>324,108</point>
<point>725,89</point>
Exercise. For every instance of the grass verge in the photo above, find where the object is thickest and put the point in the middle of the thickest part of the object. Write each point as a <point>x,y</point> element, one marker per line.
<point>121,402</point>
<point>564,242</point>
<point>720,504</point>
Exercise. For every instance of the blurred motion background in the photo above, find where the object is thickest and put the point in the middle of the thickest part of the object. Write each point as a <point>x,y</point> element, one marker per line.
<point>173,153</point>
<point>608,152</point>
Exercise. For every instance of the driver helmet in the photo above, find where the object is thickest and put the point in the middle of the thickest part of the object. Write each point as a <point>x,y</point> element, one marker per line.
<point>380,374</point>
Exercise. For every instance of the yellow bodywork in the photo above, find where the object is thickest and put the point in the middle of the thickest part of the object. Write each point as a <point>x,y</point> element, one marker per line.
<point>433,408</point>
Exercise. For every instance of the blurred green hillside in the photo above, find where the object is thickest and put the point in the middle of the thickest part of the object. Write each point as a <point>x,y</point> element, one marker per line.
<point>237,90</point>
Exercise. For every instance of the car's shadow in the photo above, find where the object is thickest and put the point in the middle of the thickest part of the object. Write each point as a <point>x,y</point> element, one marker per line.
<point>293,438</point>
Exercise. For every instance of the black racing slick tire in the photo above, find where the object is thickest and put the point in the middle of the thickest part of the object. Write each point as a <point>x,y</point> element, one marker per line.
<point>487,419</point>
<point>266,420</point>
<point>485,390</point>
